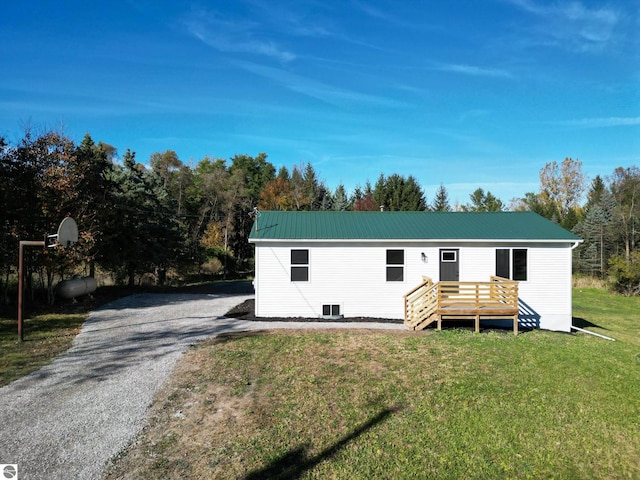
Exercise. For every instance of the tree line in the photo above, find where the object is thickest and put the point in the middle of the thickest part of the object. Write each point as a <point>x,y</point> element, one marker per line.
<point>169,218</point>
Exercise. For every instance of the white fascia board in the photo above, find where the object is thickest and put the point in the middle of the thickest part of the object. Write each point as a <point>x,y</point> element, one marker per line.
<point>409,240</point>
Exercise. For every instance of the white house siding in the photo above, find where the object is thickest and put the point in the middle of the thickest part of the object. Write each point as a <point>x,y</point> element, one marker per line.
<point>548,289</point>
<point>353,275</point>
<point>545,297</point>
<point>477,263</point>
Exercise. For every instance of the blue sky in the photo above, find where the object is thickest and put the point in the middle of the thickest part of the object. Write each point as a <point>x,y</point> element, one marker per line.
<point>478,93</point>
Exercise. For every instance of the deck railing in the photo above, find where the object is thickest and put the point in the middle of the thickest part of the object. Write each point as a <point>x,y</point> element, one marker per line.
<point>420,304</point>
<point>432,302</point>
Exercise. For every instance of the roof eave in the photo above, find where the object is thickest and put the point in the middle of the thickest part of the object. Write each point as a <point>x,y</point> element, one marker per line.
<point>414,240</point>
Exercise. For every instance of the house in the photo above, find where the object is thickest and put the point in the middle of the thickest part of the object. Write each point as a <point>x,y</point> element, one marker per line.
<point>362,264</point>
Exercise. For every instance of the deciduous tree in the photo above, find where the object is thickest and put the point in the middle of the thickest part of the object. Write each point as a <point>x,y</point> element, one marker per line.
<point>625,188</point>
<point>277,195</point>
<point>253,173</point>
<point>561,190</point>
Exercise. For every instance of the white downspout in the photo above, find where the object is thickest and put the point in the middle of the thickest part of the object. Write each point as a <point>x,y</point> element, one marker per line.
<point>593,333</point>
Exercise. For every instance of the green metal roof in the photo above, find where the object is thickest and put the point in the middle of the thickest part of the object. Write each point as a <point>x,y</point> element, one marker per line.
<point>330,225</point>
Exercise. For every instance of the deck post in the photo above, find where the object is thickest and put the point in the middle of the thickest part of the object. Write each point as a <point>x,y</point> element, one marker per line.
<point>406,309</point>
<point>477,323</point>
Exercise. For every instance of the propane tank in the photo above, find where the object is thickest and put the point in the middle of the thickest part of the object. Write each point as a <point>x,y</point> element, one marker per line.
<point>76,287</point>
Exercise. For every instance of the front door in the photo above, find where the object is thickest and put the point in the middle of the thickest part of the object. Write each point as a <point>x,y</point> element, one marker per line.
<point>449,266</point>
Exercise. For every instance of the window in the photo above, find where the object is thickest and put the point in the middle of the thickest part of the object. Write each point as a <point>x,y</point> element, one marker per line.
<point>395,265</point>
<point>519,264</point>
<point>503,266</point>
<point>512,263</point>
<point>330,310</point>
<point>299,265</point>
<point>448,256</point>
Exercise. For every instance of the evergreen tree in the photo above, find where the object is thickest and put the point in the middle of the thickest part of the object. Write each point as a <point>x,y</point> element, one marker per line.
<point>397,193</point>
<point>312,191</point>
<point>142,234</point>
<point>325,197</point>
<point>596,231</point>
<point>441,200</point>
<point>483,202</point>
<point>340,199</point>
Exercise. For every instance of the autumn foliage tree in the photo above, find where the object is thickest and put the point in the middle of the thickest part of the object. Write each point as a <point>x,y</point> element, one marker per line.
<point>277,195</point>
<point>142,220</point>
<point>561,191</point>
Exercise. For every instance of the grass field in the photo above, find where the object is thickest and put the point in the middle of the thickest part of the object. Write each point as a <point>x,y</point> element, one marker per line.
<point>366,404</point>
<point>45,336</point>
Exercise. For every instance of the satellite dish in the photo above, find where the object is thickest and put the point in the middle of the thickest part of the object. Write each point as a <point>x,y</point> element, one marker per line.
<point>67,232</point>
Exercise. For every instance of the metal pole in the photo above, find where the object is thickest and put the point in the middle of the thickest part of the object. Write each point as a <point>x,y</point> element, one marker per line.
<point>23,243</point>
<point>226,241</point>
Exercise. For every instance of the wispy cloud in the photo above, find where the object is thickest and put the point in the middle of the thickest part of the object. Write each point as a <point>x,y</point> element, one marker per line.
<point>292,19</point>
<point>232,35</point>
<point>318,90</point>
<point>375,12</point>
<point>473,114</point>
<point>601,122</point>
<point>398,14</point>
<point>474,70</point>
<point>572,25</point>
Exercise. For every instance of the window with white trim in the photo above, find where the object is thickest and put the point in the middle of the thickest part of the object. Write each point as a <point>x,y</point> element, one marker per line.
<point>448,256</point>
<point>395,265</point>
<point>300,265</point>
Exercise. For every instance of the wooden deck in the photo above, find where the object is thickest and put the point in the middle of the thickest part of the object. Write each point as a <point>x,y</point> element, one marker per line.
<point>434,302</point>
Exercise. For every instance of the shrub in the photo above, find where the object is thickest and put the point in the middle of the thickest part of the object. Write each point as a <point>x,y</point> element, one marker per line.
<point>625,274</point>
<point>212,266</point>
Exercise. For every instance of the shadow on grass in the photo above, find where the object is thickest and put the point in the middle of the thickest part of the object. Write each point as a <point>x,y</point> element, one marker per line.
<point>295,463</point>
<point>228,337</point>
<point>582,323</point>
<point>50,326</point>
<point>53,324</point>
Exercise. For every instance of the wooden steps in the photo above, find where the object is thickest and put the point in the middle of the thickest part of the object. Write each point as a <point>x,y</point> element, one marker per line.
<point>434,302</point>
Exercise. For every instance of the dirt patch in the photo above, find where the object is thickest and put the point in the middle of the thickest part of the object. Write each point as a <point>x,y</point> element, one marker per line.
<point>189,424</point>
<point>216,415</point>
<point>246,311</point>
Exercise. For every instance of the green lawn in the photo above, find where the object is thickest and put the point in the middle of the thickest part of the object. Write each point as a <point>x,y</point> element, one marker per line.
<point>362,405</point>
<point>45,336</point>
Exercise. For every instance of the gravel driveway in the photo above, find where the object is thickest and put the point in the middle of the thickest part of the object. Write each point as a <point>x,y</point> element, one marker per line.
<point>70,418</point>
